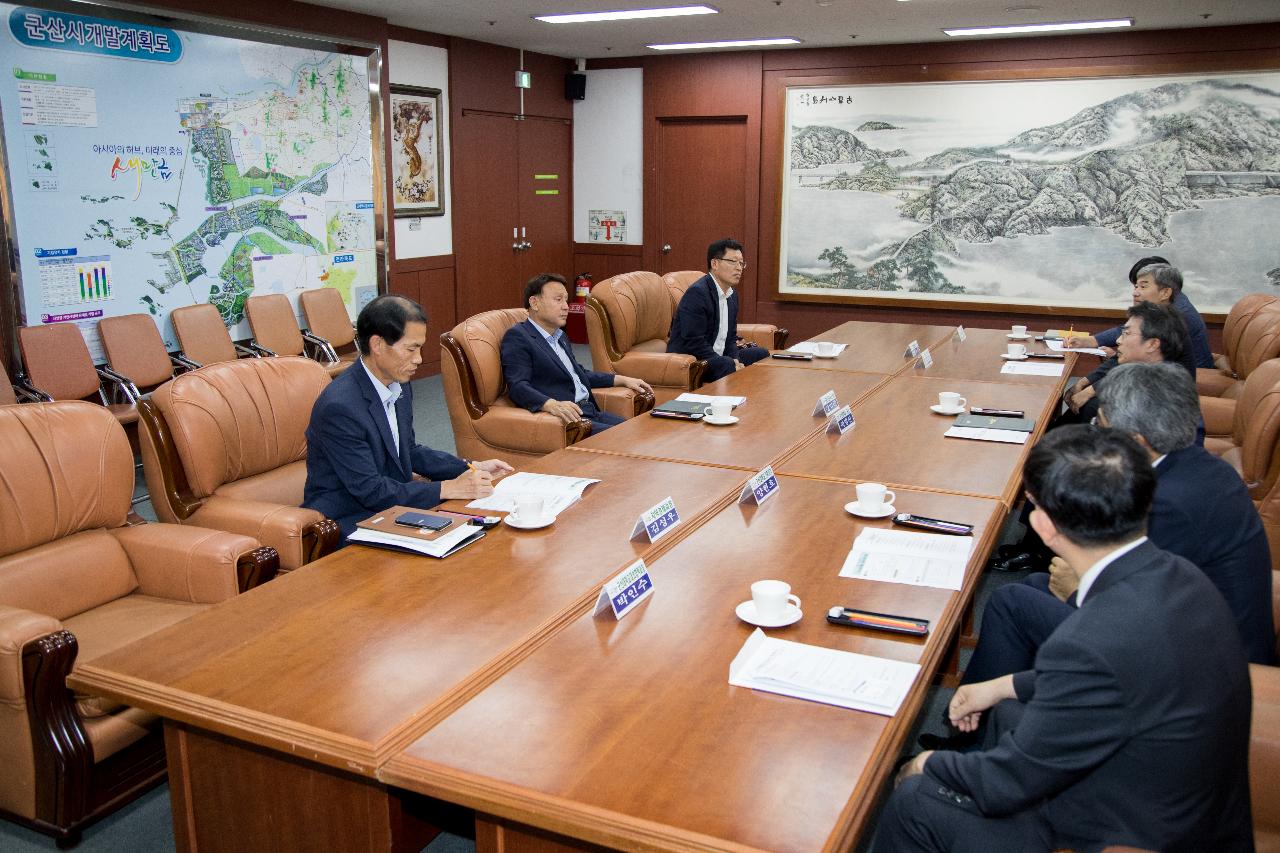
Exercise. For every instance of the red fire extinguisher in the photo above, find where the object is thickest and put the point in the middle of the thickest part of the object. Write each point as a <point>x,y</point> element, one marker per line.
<point>583,286</point>
<point>576,328</point>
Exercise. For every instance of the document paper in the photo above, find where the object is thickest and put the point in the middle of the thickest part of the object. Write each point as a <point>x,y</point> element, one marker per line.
<point>860,682</point>
<point>811,347</point>
<point>917,559</point>
<point>441,546</point>
<point>559,493</point>
<point>1059,346</point>
<point>708,399</point>
<point>1016,369</point>
<point>1008,436</point>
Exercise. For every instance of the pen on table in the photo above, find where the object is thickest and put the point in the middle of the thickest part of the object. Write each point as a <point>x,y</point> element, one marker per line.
<point>466,515</point>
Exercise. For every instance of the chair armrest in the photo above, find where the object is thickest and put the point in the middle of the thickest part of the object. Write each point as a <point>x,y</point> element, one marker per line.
<point>1219,415</point>
<point>182,363</point>
<point>623,402</point>
<point>26,391</point>
<point>764,335</point>
<point>255,349</point>
<point>667,369</point>
<point>17,628</point>
<point>185,563</point>
<point>279,526</point>
<point>527,432</point>
<point>123,385</point>
<point>321,347</point>
<point>1213,383</point>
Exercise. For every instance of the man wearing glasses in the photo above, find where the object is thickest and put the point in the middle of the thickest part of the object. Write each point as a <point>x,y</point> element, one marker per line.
<point>706,321</point>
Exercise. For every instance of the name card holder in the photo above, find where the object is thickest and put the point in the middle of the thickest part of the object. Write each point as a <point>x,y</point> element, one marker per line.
<point>625,591</point>
<point>826,404</point>
<point>759,488</point>
<point>841,422</point>
<point>960,333</point>
<point>657,521</point>
<point>913,350</point>
<point>926,359</point>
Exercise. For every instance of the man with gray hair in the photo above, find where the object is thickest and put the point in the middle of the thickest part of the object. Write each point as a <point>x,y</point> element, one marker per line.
<point>1201,511</point>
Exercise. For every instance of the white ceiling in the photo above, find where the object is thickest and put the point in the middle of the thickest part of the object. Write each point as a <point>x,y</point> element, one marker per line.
<point>510,22</point>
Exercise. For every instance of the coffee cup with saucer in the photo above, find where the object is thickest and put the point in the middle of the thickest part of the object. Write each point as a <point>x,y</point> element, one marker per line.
<point>949,403</point>
<point>874,501</point>
<point>530,514</point>
<point>1019,333</point>
<point>825,349</point>
<point>1016,352</point>
<point>771,605</point>
<point>719,413</point>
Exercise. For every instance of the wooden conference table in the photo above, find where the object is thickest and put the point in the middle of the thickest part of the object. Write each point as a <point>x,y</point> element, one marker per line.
<point>300,715</point>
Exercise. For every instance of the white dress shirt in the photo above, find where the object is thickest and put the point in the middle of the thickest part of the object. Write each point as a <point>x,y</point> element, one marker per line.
<point>388,395</point>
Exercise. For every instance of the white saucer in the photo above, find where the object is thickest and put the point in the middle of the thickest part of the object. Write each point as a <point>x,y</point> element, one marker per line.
<point>511,521</point>
<point>714,421</point>
<point>852,508</point>
<point>1008,357</point>
<point>1011,336</point>
<point>943,410</point>
<point>833,355</point>
<point>747,613</point>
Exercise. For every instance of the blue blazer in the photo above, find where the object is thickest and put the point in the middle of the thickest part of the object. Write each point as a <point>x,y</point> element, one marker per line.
<point>1202,511</point>
<point>534,373</point>
<point>1196,331</point>
<point>353,470</point>
<point>1135,728</point>
<point>693,329</point>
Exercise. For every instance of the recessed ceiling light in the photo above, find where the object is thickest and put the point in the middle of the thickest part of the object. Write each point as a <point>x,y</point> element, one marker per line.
<point>698,45</point>
<point>626,14</point>
<point>1041,28</point>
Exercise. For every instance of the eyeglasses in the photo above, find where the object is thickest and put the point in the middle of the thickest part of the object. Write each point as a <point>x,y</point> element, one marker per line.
<point>742,265</point>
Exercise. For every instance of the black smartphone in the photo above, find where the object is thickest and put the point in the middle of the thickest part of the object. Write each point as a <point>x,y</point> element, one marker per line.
<point>422,521</point>
<point>933,525</point>
<point>878,621</point>
<point>796,356</point>
<point>1057,355</point>
<point>997,413</point>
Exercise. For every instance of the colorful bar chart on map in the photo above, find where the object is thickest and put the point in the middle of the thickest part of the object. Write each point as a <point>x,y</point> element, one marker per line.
<point>95,281</point>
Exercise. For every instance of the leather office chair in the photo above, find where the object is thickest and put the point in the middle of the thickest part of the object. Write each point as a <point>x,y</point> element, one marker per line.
<point>60,367</point>
<point>276,331</point>
<point>204,337</point>
<point>764,335</point>
<point>77,582</point>
<point>485,422</point>
<point>136,352</point>
<point>225,447</point>
<point>1253,445</point>
<point>628,321</point>
<point>1216,381</point>
<point>17,390</point>
<point>1258,342</point>
<point>328,322</point>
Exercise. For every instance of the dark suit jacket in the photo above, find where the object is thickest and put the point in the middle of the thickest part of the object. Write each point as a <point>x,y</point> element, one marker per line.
<point>353,470</point>
<point>534,373</point>
<point>1202,511</point>
<point>693,329</point>
<point>1136,724</point>
<point>1199,335</point>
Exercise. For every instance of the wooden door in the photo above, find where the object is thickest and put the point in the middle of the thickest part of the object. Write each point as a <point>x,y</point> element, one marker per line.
<point>545,202</point>
<point>702,191</point>
<point>485,211</point>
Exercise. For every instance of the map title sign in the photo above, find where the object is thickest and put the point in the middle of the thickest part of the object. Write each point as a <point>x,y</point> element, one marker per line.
<point>81,34</point>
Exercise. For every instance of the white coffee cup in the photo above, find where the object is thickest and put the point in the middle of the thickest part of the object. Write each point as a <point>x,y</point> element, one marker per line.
<point>826,348</point>
<point>529,509</point>
<point>872,497</point>
<point>951,400</point>
<point>1017,351</point>
<point>1019,330</point>
<point>719,410</point>
<point>771,599</point>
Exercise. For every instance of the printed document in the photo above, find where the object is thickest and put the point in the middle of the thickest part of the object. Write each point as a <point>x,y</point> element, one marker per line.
<point>1057,346</point>
<point>708,399</point>
<point>441,546</point>
<point>811,347</point>
<point>1031,369</point>
<point>558,493</point>
<point>860,682</point>
<point>917,559</point>
<point>1008,436</point>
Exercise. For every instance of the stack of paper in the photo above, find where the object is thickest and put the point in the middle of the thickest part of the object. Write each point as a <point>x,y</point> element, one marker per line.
<point>918,559</point>
<point>860,682</point>
<point>1007,436</point>
<point>811,347</point>
<point>1032,369</point>
<point>442,546</point>
<point>558,493</point>
<point>708,399</point>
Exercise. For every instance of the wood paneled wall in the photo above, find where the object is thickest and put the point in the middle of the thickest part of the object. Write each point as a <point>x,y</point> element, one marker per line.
<point>602,260</point>
<point>751,84</point>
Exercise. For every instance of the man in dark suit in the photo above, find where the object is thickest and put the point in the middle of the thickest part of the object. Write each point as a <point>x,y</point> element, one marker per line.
<point>706,321</point>
<point>1133,727</point>
<point>537,360</point>
<point>1201,511</point>
<point>361,452</point>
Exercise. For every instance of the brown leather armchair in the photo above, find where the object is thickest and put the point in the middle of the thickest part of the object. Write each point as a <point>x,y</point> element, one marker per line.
<point>1217,380</point>
<point>485,422</point>
<point>1253,443</point>
<point>204,337</point>
<point>76,582</point>
<point>764,335</point>
<point>628,321</point>
<point>1257,342</point>
<point>275,330</point>
<point>329,323</point>
<point>225,447</point>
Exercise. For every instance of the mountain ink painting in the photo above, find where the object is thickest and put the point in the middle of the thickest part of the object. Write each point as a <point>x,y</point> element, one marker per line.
<point>1033,192</point>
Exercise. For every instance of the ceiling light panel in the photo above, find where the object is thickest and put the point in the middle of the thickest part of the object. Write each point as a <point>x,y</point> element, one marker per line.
<point>1041,28</point>
<point>626,15</point>
<point>702,45</point>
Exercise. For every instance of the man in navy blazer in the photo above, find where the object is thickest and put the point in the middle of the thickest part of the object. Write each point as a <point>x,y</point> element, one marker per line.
<point>706,321</point>
<point>1133,727</point>
<point>537,361</point>
<point>361,451</point>
<point>1201,511</point>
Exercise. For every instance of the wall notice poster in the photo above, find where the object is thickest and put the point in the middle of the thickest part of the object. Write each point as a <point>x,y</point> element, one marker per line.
<point>151,168</point>
<point>1032,192</point>
<point>607,226</point>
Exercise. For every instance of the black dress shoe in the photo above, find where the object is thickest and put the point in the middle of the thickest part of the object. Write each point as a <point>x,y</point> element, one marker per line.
<point>1020,562</point>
